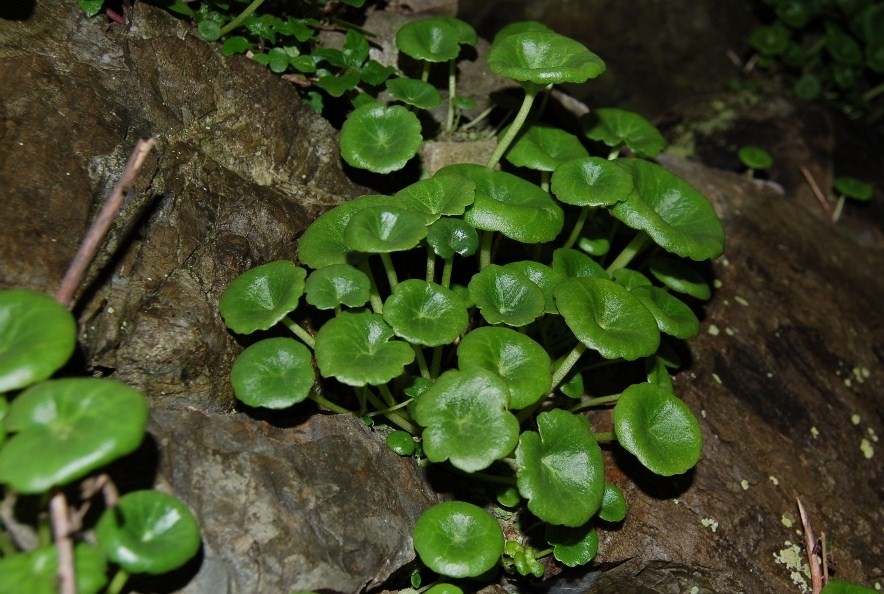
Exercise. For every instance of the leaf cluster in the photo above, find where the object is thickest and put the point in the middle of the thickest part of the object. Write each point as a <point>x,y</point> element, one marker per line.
<point>830,49</point>
<point>56,434</point>
<point>482,313</point>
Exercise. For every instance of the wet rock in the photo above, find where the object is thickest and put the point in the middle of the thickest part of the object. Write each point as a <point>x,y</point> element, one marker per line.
<point>241,167</point>
<point>321,505</point>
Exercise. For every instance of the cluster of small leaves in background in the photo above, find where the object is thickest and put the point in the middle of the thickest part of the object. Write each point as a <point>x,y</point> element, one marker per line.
<point>832,49</point>
<point>482,313</point>
<point>55,433</point>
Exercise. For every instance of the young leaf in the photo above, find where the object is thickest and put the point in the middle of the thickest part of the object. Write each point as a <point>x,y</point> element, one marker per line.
<point>466,419</point>
<point>64,429</point>
<point>337,284</point>
<point>355,348</point>
<point>415,92</point>
<point>656,427</point>
<point>273,373</point>
<point>380,139</point>
<point>506,296</point>
<point>608,318</point>
<point>425,313</point>
<point>449,236</point>
<point>673,316</point>
<point>509,204</point>
<point>676,216</point>
<point>148,532</point>
<point>617,127</point>
<point>613,504</point>
<point>430,40</point>
<point>519,360</point>
<point>573,546</point>
<point>37,337</point>
<point>262,296</point>
<point>678,276</point>
<point>560,469</point>
<point>458,539</point>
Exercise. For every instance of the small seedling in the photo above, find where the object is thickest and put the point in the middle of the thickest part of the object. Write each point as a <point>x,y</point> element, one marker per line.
<point>755,159</point>
<point>850,187</point>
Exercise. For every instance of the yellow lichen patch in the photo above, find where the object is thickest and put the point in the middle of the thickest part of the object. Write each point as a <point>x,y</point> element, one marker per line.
<point>745,484</point>
<point>716,378</point>
<point>742,301</point>
<point>774,480</point>
<point>814,432</point>
<point>786,521</point>
<point>712,330</point>
<point>710,523</point>
<point>867,449</point>
<point>855,419</point>
<point>792,556</point>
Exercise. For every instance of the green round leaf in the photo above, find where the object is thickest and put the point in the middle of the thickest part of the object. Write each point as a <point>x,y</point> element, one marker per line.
<point>36,571</point>
<point>842,47</point>
<point>235,45</point>
<point>656,427</point>
<point>517,359</point>
<point>466,35</point>
<point>437,196</point>
<point>466,419</point>
<point>415,92</point>
<point>64,429</point>
<point>337,284</point>
<point>673,316</point>
<point>521,27</point>
<point>504,295</point>
<point>148,532</point>
<point>444,589</point>
<point>322,244</point>
<point>262,296</point>
<point>573,546</point>
<point>543,276</point>
<point>560,469</point>
<point>770,40</point>
<point>619,126</point>
<point>854,188</point>
<point>509,204</point>
<point>425,313</point>
<point>572,263</point>
<point>808,87</point>
<point>384,229</point>
<point>37,337</point>
<point>355,348</point>
<point>543,57</point>
<point>402,443</point>
<point>591,181</point>
<point>458,539</point>
<point>209,30</point>
<point>273,373</point>
<point>380,139</point>
<point>430,40</point>
<point>680,277</point>
<point>449,236</point>
<point>608,318</point>
<point>629,278</point>
<point>613,504</point>
<point>508,497</point>
<point>544,148</point>
<point>676,216</point>
<point>755,157</point>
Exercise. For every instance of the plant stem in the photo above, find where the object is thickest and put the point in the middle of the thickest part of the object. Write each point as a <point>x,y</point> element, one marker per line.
<point>839,206</point>
<point>478,119</point>
<point>394,416</point>
<point>97,231</point>
<point>591,402</point>
<point>119,580</point>
<point>387,394</point>
<point>431,264</point>
<point>578,227</point>
<point>447,266</point>
<point>567,363</point>
<point>425,72</point>
<point>485,249</point>
<point>299,332</point>
<point>376,304</point>
<point>873,92</point>
<point>61,533</point>
<point>241,17</point>
<point>614,153</point>
<point>324,402</point>
<point>638,243</point>
<point>605,436</point>
<point>436,364</point>
<point>421,361</point>
<point>543,553</point>
<point>452,85</point>
<point>391,271</point>
<point>504,143</point>
<point>390,409</point>
<point>544,181</point>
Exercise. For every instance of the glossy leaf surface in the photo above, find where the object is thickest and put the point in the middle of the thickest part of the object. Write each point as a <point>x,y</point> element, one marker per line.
<point>384,229</point>
<point>542,58</point>
<point>322,244</point>
<point>337,284</point>
<point>573,546</point>
<point>591,181</point>
<point>615,126</point>
<point>506,296</point>
<point>380,139</point>
<point>458,539</point>
<point>273,373</point>
<point>544,148</point>
<point>425,313</point>
<point>261,296</point>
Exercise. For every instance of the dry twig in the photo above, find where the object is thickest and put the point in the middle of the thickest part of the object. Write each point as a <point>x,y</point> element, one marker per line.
<point>816,576</point>
<point>821,198</point>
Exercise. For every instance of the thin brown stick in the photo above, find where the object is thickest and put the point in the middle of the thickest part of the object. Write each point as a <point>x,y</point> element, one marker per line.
<point>825,557</point>
<point>816,576</point>
<point>821,198</point>
<point>74,275</point>
<point>64,545</point>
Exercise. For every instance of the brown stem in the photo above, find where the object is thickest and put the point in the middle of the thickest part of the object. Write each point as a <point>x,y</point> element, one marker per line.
<point>74,275</point>
<point>816,576</point>
<point>61,533</point>
<point>821,198</point>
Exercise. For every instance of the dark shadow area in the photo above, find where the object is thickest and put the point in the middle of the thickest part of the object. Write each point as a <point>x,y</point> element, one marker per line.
<point>653,485</point>
<point>17,10</point>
